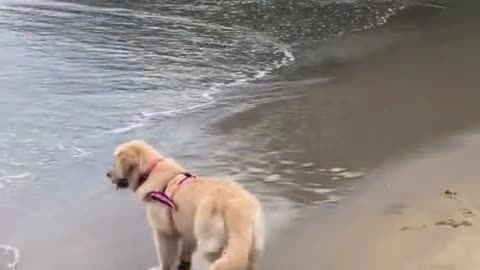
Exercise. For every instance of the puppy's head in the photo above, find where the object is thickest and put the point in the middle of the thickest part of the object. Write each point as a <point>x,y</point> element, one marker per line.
<point>128,159</point>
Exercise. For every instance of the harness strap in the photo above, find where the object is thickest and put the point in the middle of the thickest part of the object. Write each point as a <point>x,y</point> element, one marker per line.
<point>161,197</point>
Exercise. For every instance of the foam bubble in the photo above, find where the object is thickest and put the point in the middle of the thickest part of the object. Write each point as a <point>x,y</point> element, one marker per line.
<point>206,95</point>
<point>79,152</point>
<point>261,74</point>
<point>272,178</point>
<point>12,255</point>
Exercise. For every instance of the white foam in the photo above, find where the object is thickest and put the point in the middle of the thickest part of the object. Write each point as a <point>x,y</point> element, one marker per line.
<point>337,170</point>
<point>60,146</point>
<point>350,175</point>
<point>12,252</point>
<point>173,112</point>
<point>256,170</point>
<point>207,96</point>
<point>322,190</point>
<point>333,198</point>
<point>315,184</point>
<point>79,152</point>
<point>8,178</point>
<point>260,74</point>
<point>287,162</point>
<point>14,163</point>
<point>272,178</point>
<point>126,129</point>
<point>306,165</point>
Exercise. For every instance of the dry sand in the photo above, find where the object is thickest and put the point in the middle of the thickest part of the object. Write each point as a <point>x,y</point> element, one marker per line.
<point>402,219</point>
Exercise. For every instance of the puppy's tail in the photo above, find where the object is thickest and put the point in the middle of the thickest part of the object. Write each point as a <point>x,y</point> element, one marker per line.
<point>239,227</point>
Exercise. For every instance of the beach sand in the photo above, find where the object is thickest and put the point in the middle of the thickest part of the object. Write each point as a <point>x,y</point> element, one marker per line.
<point>404,220</point>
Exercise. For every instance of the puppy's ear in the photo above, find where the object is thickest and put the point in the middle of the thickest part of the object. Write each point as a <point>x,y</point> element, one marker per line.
<point>127,163</point>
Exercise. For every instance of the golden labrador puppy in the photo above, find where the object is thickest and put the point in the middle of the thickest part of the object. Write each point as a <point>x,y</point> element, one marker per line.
<point>217,217</point>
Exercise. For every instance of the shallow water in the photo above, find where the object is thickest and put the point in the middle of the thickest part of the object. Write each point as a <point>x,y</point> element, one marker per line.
<point>78,77</point>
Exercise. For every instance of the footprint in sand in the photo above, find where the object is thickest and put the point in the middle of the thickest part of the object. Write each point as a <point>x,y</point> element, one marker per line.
<point>450,194</point>
<point>468,213</point>
<point>465,213</point>
<point>408,228</point>
<point>453,223</point>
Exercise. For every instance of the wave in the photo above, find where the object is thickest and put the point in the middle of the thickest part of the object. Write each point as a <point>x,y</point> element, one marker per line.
<point>208,96</point>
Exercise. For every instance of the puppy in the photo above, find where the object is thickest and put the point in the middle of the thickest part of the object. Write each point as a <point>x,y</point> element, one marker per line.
<point>218,218</point>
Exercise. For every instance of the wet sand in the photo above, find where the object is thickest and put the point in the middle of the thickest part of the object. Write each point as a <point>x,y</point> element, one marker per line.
<point>401,113</point>
<point>403,220</point>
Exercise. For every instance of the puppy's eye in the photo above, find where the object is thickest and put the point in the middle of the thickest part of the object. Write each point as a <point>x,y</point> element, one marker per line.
<point>130,168</point>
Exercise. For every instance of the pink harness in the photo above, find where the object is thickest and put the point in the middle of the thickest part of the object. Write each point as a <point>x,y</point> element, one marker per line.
<point>161,197</point>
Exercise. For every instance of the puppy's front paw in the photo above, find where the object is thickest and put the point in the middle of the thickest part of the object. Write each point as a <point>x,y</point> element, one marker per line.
<point>184,265</point>
<point>154,268</point>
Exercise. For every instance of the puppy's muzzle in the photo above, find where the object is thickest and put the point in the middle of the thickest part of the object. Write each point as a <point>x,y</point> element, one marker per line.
<point>121,183</point>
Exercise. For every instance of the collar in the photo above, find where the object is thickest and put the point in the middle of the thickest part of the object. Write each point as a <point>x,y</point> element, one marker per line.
<point>144,176</point>
<point>162,197</point>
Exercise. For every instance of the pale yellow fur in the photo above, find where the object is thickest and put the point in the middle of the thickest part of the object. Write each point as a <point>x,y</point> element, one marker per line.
<point>219,218</point>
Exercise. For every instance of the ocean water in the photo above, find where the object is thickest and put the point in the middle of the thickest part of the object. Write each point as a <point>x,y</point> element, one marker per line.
<point>78,77</point>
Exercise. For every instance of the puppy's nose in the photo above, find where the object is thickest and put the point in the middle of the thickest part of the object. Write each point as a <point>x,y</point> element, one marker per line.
<point>109,174</point>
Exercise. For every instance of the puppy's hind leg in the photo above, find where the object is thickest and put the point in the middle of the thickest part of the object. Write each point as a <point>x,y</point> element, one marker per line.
<point>256,252</point>
<point>254,259</point>
<point>167,249</point>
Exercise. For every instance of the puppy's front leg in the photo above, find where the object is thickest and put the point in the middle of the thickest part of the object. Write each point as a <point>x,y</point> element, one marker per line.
<point>167,249</point>
<point>188,247</point>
